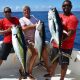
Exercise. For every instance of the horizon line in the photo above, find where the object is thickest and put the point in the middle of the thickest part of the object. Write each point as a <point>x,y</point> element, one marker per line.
<point>40,11</point>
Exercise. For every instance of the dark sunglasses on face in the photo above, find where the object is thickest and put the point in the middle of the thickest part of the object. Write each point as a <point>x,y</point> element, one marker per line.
<point>66,5</point>
<point>7,11</point>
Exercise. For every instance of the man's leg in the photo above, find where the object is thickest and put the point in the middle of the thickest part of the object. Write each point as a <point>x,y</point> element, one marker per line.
<point>64,62</point>
<point>63,71</point>
<point>1,61</point>
<point>32,59</point>
<point>5,50</point>
<point>52,69</point>
<point>53,66</point>
<point>45,58</point>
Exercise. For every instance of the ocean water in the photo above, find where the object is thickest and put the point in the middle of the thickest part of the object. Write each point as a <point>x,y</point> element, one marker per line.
<point>43,15</point>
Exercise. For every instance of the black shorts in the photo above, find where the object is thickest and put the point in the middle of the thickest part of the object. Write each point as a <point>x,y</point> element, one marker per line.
<point>61,59</point>
<point>5,50</point>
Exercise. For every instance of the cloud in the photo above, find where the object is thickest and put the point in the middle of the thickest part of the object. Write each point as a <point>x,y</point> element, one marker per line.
<point>50,6</point>
<point>40,8</point>
<point>17,8</point>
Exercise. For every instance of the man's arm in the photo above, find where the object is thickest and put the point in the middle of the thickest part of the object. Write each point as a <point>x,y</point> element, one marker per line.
<point>5,31</point>
<point>28,27</point>
<point>68,34</point>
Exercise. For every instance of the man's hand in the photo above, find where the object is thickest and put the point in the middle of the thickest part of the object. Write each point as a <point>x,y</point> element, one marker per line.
<point>5,31</point>
<point>65,35</point>
<point>2,32</point>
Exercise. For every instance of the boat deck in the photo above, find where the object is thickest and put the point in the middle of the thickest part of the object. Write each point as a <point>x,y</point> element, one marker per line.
<point>9,71</point>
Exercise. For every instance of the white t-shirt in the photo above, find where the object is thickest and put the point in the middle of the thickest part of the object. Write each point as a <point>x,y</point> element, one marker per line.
<point>29,34</point>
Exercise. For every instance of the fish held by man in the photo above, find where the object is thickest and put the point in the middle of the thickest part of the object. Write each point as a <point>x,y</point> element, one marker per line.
<point>55,26</point>
<point>56,29</point>
<point>19,46</point>
<point>39,38</point>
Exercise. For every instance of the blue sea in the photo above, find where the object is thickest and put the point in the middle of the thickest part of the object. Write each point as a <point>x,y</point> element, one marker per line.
<point>43,15</point>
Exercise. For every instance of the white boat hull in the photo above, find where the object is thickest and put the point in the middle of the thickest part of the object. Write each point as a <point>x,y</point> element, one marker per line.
<point>9,68</point>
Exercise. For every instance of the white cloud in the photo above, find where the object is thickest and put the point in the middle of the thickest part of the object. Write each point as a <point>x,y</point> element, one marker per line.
<point>17,8</point>
<point>50,6</point>
<point>40,8</point>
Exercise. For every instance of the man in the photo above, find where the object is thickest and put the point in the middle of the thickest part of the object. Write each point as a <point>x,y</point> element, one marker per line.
<point>28,23</point>
<point>69,22</point>
<point>5,29</point>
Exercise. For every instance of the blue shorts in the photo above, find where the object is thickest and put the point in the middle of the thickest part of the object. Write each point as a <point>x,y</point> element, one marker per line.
<point>5,50</point>
<point>61,59</point>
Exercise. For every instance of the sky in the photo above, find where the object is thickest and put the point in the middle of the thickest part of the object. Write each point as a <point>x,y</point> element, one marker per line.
<point>37,5</point>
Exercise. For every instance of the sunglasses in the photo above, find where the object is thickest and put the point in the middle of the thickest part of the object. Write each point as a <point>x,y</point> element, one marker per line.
<point>7,11</point>
<point>66,5</point>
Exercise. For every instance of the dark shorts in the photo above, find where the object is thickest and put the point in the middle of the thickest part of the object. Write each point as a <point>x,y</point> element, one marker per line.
<point>5,50</point>
<point>61,59</point>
